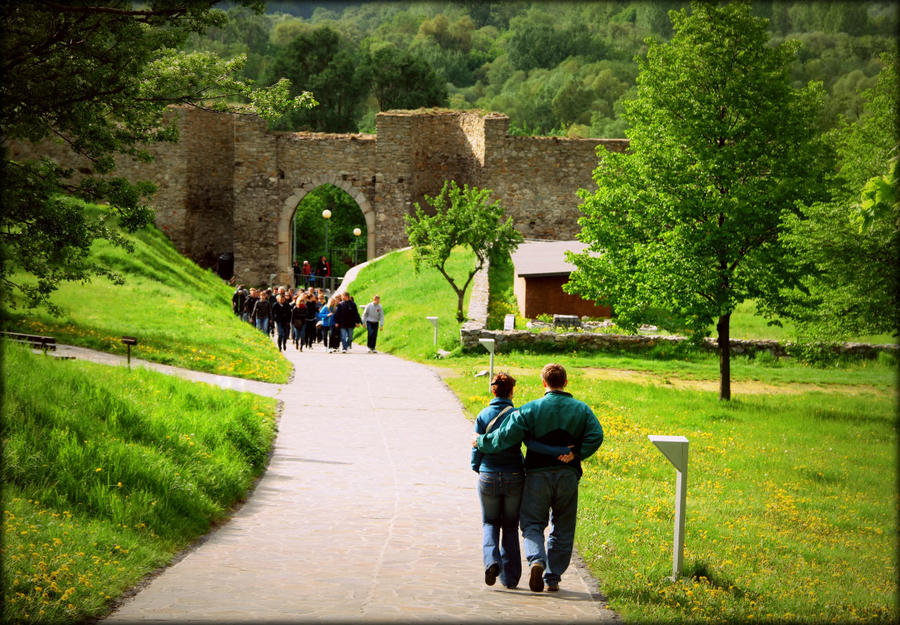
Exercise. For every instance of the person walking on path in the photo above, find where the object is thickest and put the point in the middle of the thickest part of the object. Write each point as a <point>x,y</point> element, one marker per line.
<point>373,317</point>
<point>262,312</point>
<point>500,478</point>
<point>550,492</point>
<point>346,318</point>
<point>281,313</point>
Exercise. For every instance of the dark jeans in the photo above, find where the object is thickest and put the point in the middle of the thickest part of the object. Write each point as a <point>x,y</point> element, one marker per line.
<point>501,495</point>
<point>284,330</point>
<point>372,327</point>
<point>550,496</point>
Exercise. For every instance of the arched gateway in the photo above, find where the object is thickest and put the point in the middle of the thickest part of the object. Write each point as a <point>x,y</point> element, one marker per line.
<point>230,185</point>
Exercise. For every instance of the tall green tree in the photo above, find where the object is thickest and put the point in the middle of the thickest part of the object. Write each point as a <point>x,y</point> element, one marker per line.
<point>461,216</point>
<point>850,244</point>
<point>402,81</point>
<point>336,70</point>
<point>97,78</point>
<point>722,147</point>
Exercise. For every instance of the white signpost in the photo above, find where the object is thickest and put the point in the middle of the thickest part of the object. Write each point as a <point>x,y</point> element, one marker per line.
<point>488,344</point>
<point>675,448</point>
<point>433,321</point>
<point>509,322</point>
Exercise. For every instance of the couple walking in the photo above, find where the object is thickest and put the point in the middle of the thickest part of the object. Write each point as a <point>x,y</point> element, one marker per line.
<point>558,431</point>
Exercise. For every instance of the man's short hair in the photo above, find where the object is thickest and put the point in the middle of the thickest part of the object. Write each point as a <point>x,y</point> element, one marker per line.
<point>503,384</point>
<point>554,375</point>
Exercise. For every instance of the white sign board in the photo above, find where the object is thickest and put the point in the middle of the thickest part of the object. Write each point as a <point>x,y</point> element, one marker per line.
<point>509,322</point>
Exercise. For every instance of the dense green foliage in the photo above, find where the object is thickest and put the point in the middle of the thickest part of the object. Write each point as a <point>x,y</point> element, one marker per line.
<point>107,473</point>
<point>560,67</point>
<point>687,222</point>
<point>345,248</point>
<point>180,314</point>
<point>97,79</point>
<point>851,243</point>
<point>460,217</point>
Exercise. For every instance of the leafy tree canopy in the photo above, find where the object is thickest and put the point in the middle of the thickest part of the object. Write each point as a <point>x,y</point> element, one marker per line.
<point>335,70</point>
<point>97,78</point>
<point>461,216</point>
<point>688,222</point>
<point>849,245</point>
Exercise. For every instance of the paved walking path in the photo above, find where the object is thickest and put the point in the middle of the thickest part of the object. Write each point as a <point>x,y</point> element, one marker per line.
<point>367,512</point>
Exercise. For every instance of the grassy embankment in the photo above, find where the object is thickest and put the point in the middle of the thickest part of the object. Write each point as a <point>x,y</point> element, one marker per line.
<point>791,496</point>
<point>108,472</point>
<point>180,314</point>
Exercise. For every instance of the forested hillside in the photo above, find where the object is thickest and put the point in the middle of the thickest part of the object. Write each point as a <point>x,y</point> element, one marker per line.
<point>556,68</point>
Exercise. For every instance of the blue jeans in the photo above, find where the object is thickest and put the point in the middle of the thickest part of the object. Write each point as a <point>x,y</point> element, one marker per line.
<point>283,332</point>
<point>501,494</point>
<point>372,329</point>
<point>346,337</point>
<point>262,324</point>
<point>552,496</point>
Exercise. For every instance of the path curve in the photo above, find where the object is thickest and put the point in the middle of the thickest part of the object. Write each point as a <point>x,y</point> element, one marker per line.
<point>367,512</point>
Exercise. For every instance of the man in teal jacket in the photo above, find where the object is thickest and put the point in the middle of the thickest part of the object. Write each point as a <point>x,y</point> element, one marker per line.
<point>550,493</point>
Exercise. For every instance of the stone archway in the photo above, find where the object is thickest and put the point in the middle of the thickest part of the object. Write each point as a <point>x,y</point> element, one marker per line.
<point>290,206</point>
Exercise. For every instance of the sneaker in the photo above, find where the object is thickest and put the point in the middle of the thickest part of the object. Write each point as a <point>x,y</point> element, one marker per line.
<point>536,578</point>
<point>552,587</point>
<point>490,575</point>
<point>371,351</point>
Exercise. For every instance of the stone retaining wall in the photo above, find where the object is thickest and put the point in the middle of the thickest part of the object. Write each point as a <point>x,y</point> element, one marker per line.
<point>507,340</point>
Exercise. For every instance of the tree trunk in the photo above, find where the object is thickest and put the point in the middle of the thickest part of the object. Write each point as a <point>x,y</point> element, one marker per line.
<point>461,294</point>
<point>723,327</point>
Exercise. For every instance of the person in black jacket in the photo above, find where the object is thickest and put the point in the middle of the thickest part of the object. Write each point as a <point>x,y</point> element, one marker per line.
<point>281,313</point>
<point>312,313</point>
<point>346,318</point>
<point>262,312</point>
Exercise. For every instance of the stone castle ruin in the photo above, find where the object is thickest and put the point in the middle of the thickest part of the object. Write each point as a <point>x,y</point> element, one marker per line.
<point>230,185</point>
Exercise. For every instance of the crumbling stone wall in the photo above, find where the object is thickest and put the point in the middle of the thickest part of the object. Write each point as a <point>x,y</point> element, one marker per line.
<point>230,185</point>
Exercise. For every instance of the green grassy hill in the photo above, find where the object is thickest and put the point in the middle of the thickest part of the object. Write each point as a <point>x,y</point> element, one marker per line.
<point>108,472</point>
<point>181,314</point>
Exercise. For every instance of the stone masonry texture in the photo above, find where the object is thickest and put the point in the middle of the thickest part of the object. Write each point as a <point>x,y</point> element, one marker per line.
<point>231,185</point>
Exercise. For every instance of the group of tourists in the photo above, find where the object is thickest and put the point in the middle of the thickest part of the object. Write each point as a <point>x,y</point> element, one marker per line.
<point>558,431</point>
<point>307,316</point>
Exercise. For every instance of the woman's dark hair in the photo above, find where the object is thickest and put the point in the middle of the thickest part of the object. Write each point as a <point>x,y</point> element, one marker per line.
<point>502,384</point>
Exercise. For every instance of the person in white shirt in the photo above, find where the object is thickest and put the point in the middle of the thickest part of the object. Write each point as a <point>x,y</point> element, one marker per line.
<point>373,317</point>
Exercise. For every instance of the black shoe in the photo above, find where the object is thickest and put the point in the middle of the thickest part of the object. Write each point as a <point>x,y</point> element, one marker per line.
<point>552,587</point>
<point>536,578</point>
<point>490,574</point>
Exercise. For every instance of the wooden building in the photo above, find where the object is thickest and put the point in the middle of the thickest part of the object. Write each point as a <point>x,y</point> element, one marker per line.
<point>540,271</point>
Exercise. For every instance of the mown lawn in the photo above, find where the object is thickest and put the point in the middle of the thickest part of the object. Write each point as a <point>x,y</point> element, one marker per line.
<point>792,504</point>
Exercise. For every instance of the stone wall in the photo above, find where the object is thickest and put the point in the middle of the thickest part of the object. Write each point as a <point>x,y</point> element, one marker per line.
<point>552,341</point>
<point>230,185</point>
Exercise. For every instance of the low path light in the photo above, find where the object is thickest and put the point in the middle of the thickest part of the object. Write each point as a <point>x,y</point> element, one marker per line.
<point>129,341</point>
<point>675,448</point>
<point>434,321</point>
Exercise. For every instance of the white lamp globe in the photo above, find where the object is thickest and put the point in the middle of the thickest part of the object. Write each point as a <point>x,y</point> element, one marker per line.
<point>357,232</point>
<point>326,214</point>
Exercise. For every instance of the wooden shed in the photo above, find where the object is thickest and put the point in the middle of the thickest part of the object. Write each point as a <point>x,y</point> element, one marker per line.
<point>540,271</point>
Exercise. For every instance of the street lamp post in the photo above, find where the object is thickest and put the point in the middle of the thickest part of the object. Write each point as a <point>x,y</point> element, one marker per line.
<point>356,233</point>
<point>326,215</point>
